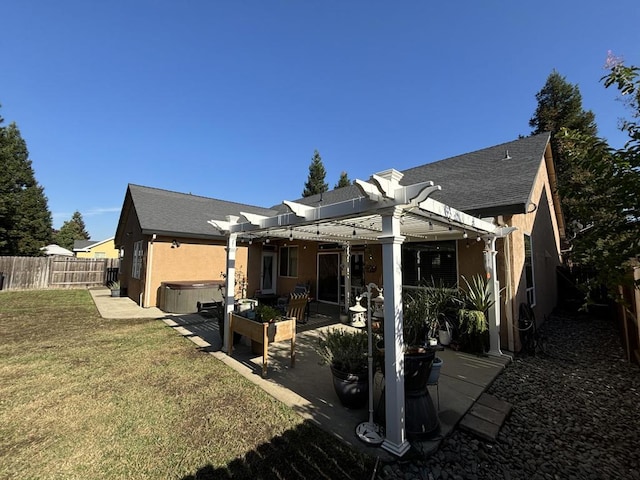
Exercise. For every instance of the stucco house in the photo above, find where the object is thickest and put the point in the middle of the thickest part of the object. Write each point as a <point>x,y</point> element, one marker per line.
<point>164,237</point>
<point>168,236</point>
<point>493,212</point>
<point>95,249</point>
<point>509,185</point>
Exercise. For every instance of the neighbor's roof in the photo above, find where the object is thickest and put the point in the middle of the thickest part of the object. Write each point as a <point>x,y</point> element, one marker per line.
<point>86,245</point>
<point>492,181</point>
<point>165,212</point>
<point>54,249</point>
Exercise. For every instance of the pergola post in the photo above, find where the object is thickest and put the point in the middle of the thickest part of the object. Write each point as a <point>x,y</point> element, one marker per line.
<point>230,287</point>
<point>347,278</point>
<point>490,266</point>
<point>395,439</point>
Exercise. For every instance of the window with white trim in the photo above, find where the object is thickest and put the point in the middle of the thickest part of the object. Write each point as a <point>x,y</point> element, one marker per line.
<point>424,263</point>
<point>289,261</point>
<point>136,266</point>
<point>529,276</point>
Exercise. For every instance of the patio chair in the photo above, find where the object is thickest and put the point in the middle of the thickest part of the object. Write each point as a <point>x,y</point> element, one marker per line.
<point>297,306</point>
<point>299,289</point>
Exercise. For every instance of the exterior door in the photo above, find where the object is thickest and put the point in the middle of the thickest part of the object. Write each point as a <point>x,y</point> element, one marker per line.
<point>268,273</point>
<point>329,277</point>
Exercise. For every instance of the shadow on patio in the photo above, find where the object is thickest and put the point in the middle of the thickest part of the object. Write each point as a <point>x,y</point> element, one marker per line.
<point>308,387</point>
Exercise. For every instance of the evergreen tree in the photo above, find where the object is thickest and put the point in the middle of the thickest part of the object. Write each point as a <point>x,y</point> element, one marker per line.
<point>560,107</point>
<point>343,181</point>
<point>70,231</point>
<point>315,181</point>
<point>603,194</point>
<point>25,219</point>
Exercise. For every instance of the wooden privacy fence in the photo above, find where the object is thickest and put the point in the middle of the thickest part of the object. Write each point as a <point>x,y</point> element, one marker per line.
<point>29,273</point>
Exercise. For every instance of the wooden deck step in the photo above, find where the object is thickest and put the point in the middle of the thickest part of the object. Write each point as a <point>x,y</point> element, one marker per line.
<point>486,416</point>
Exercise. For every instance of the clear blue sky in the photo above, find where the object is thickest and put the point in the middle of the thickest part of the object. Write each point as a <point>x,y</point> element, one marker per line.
<point>229,99</point>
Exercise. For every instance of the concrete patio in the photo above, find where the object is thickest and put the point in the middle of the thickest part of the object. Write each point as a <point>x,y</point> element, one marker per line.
<point>308,387</point>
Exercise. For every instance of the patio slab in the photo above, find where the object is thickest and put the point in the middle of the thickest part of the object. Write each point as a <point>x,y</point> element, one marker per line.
<point>308,388</point>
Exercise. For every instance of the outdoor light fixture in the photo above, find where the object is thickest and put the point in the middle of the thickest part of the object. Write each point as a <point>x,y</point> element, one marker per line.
<point>430,225</point>
<point>450,228</point>
<point>290,234</point>
<point>464,234</point>
<point>354,231</point>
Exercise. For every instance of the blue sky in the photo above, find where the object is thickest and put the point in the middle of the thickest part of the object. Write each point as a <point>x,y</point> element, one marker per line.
<point>229,99</point>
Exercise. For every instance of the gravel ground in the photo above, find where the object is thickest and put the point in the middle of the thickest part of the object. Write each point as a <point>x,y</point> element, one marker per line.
<point>576,415</point>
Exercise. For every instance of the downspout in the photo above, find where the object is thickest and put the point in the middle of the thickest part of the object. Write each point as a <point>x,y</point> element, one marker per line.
<point>147,283</point>
<point>508,294</point>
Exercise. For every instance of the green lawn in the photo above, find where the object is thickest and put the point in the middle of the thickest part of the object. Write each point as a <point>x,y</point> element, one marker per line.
<point>84,397</point>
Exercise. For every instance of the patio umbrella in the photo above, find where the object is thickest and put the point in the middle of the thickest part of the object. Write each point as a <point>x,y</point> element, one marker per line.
<point>369,431</point>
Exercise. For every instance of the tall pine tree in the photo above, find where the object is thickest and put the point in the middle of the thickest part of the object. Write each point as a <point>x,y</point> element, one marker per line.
<point>560,107</point>
<point>602,191</point>
<point>71,231</point>
<point>343,181</point>
<point>315,183</point>
<point>25,219</point>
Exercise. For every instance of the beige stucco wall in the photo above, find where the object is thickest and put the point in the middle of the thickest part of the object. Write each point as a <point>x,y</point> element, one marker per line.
<point>107,248</point>
<point>193,260</point>
<point>541,224</point>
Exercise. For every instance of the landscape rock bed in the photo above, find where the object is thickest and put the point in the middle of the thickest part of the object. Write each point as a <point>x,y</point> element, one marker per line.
<point>575,415</point>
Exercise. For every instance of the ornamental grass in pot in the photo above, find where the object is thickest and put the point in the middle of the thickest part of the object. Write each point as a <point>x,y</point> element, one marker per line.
<point>345,351</point>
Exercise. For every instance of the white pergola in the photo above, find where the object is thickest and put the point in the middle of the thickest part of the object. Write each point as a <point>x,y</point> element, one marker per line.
<point>389,214</point>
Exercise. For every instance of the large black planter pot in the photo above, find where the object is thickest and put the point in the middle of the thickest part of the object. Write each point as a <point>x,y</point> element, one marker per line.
<point>352,389</point>
<point>421,417</point>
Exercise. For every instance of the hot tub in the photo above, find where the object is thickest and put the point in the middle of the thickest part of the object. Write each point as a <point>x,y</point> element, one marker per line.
<point>183,296</point>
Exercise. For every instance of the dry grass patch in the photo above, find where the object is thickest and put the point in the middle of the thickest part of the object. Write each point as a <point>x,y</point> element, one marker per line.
<point>85,397</point>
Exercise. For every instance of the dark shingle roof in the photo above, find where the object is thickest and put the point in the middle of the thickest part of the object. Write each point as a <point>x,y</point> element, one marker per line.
<point>82,244</point>
<point>490,181</point>
<point>162,211</point>
<point>480,183</point>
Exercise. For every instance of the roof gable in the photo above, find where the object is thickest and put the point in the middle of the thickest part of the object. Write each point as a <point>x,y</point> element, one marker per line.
<point>166,212</point>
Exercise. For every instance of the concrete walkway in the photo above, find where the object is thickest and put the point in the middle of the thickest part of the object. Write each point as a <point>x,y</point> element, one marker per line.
<point>308,388</point>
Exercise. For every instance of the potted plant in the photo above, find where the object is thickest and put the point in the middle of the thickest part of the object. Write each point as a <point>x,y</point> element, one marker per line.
<point>267,313</point>
<point>345,352</point>
<point>472,318</point>
<point>115,288</point>
<point>427,310</point>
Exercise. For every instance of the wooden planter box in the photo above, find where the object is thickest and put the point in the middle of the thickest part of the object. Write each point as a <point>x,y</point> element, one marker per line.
<point>263,334</point>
